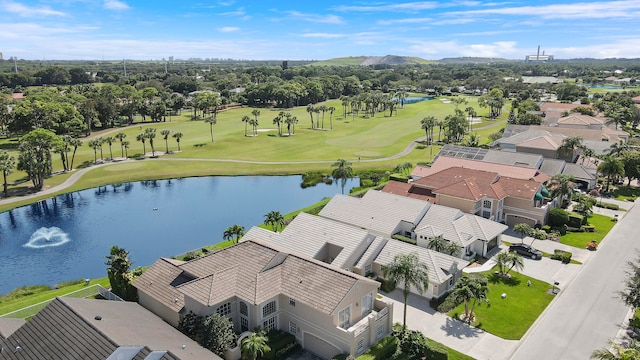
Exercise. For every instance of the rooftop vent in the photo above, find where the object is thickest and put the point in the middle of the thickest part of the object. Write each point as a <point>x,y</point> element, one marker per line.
<point>98,317</point>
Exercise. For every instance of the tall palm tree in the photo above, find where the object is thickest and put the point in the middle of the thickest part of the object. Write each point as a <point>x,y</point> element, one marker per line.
<point>256,114</point>
<point>255,345</point>
<point>143,139</point>
<point>150,133</point>
<point>472,288</point>
<point>523,229</point>
<point>342,172</point>
<point>234,233</point>
<point>126,144</point>
<point>109,140</point>
<point>76,143</point>
<point>427,124</point>
<point>311,110</point>
<point>610,167</point>
<point>177,136</point>
<point>618,148</point>
<point>438,244</point>
<point>165,135</point>
<point>331,109</point>
<point>570,145</point>
<point>516,261</point>
<point>246,120</point>
<point>275,219</point>
<point>95,144</point>
<point>278,121</point>
<point>408,271</point>
<point>211,121</point>
<point>121,136</point>
<point>472,113</point>
<point>7,164</point>
<point>562,187</point>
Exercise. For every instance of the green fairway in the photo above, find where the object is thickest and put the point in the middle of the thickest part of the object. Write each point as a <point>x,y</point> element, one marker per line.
<point>511,317</point>
<point>380,143</point>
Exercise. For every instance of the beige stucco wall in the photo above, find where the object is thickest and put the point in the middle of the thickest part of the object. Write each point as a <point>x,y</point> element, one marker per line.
<point>466,206</point>
<point>164,312</point>
<point>547,153</point>
<point>524,208</point>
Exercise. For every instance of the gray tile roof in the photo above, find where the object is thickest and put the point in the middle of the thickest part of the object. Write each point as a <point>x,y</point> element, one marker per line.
<point>256,271</point>
<point>580,172</point>
<point>376,211</point>
<point>160,281</point>
<point>440,266</point>
<point>70,328</point>
<point>552,166</point>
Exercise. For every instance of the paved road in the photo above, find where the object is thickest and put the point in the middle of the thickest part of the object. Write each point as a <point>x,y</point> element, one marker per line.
<point>587,311</point>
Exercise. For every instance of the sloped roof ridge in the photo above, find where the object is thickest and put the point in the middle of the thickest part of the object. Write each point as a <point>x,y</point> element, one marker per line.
<point>85,321</point>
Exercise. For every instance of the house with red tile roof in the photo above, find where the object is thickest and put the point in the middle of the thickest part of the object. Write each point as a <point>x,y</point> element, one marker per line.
<point>484,193</point>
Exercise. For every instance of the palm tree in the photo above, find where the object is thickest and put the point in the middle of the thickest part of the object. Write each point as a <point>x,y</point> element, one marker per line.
<point>562,187</point>
<point>100,141</point>
<point>472,113</point>
<point>408,271</point>
<point>255,113</point>
<point>275,219</point>
<point>278,120</point>
<point>121,136</point>
<point>570,145</point>
<point>254,126</point>
<point>94,144</point>
<point>616,351</point>
<point>440,124</point>
<point>211,121</point>
<point>331,109</point>
<point>109,140</point>
<point>165,135</point>
<point>427,124</point>
<point>150,133</point>
<point>76,143</point>
<point>618,148</point>
<point>438,244</point>
<point>502,262</point>
<point>342,172</point>
<point>246,120</point>
<point>126,144</point>
<point>538,234</point>
<point>473,140</point>
<point>523,229</point>
<point>471,288</point>
<point>515,261</point>
<point>177,136</point>
<point>291,123</point>
<point>234,233</point>
<point>254,345</point>
<point>7,164</point>
<point>142,138</point>
<point>610,167</point>
<point>311,110</point>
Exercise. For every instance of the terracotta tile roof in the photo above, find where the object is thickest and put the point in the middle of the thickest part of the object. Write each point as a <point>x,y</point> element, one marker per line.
<point>520,188</point>
<point>445,162</point>
<point>551,106</point>
<point>255,272</point>
<point>17,96</point>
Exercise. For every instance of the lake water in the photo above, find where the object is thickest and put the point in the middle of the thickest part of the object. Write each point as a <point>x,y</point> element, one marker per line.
<point>413,100</point>
<point>68,237</point>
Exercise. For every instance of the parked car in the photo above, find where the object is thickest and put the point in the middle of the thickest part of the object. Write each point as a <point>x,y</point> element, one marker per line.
<point>526,250</point>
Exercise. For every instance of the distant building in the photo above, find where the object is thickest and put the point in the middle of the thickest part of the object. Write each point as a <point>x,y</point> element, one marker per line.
<point>538,58</point>
<point>1,58</point>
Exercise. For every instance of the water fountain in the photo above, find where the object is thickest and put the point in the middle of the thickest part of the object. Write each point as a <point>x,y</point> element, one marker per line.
<point>47,237</point>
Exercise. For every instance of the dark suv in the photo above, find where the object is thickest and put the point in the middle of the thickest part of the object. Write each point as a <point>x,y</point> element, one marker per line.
<point>526,250</point>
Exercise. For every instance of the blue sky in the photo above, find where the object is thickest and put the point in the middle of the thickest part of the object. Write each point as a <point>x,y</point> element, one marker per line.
<point>316,29</point>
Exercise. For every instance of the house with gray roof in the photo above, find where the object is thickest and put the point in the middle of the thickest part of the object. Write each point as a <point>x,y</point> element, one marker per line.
<point>360,251</point>
<point>71,328</point>
<point>257,284</point>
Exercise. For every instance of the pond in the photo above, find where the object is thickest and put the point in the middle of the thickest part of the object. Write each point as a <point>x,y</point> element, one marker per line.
<point>413,100</point>
<point>67,237</point>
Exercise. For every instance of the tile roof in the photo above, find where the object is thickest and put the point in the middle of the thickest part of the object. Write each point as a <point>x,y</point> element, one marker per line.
<point>160,281</point>
<point>439,265</point>
<point>579,119</point>
<point>552,106</point>
<point>376,211</point>
<point>71,328</point>
<point>546,142</point>
<point>463,183</point>
<point>445,162</point>
<point>552,166</point>
<point>255,271</point>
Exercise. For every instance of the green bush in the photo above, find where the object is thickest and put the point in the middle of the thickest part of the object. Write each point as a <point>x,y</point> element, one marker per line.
<point>608,206</point>
<point>589,228</point>
<point>69,283</point>
<point>575,220</point>
<point>444,304</point>
<point>280,342</point>
<point>575,229</point>
<point>399,177</point>
<point>387,286</point>
<point>558,217</point>
<point>561,229</point>
<point>564,256</point>
<point>546,228</point>
<point>436,351</point>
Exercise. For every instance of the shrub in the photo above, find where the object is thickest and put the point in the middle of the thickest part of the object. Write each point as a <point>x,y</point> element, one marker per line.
<point>575,220</point>
<point>404,239</point>
<point>561,229</point>
<point>281,344</point>
<point>387,286</point>
<point>436,351</point>
<point>69,283</point>
<point>546,228</point>
<point>589,228</point>
<point>608,206</point>
<point>399,177</point>
<point>190,256</point>
<point>558,217</point>
<point>564,256</point>
<point>574,229</point>
<point>443,305</point>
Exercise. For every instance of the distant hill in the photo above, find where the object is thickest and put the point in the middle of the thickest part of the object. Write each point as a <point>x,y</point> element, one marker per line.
<point>372,60</point>
<point>473,60</point>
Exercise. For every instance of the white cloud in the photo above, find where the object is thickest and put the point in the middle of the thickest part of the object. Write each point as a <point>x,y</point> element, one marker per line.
<point>405,21</point>
<point>405,7</point>
<point>228,29</point>
<point>29,11</point>
<point>325,19</point>
<point>439,49</point>
<point>584,10</point>
<point>322,35</point>
<point>115,5</point>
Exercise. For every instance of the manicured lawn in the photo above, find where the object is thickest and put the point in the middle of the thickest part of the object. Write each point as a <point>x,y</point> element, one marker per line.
<point>603,225</point>
<point>626,193</point>
<point>23,297</point>
<point>511,317</point>
<point>386,346</point>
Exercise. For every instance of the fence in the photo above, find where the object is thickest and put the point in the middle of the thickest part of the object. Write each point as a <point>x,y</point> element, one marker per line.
<point>90,291</point>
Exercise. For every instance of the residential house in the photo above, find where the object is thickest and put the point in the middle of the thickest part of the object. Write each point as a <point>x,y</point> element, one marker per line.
<point>260,285</point>
<point>355,249</point>
<point>71,328</point>
<point>483,193</point>
<point>364,213</point>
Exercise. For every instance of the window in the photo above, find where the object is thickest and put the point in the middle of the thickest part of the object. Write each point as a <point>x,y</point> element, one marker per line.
<point>451,282</point>
<point>269,324</point>
<point>244,324</point>
<point>360,345</point>
<point>293,328</point>
<point>367,304</point>
<point>486,204</point>
<point>224,309</point>
<point>243,309</point>
<point>292,301</point>
<point>380,332</point>
<point>486,214</point>
<point>269,309</point>
<point>345,317</point>
<point>367,269</point>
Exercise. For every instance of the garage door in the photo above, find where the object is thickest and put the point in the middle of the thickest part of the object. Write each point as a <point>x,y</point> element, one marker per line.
<point>319,347</point>
<point>515,219</point>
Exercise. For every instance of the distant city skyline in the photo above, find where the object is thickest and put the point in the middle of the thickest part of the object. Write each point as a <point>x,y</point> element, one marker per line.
<point>316,30</point>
